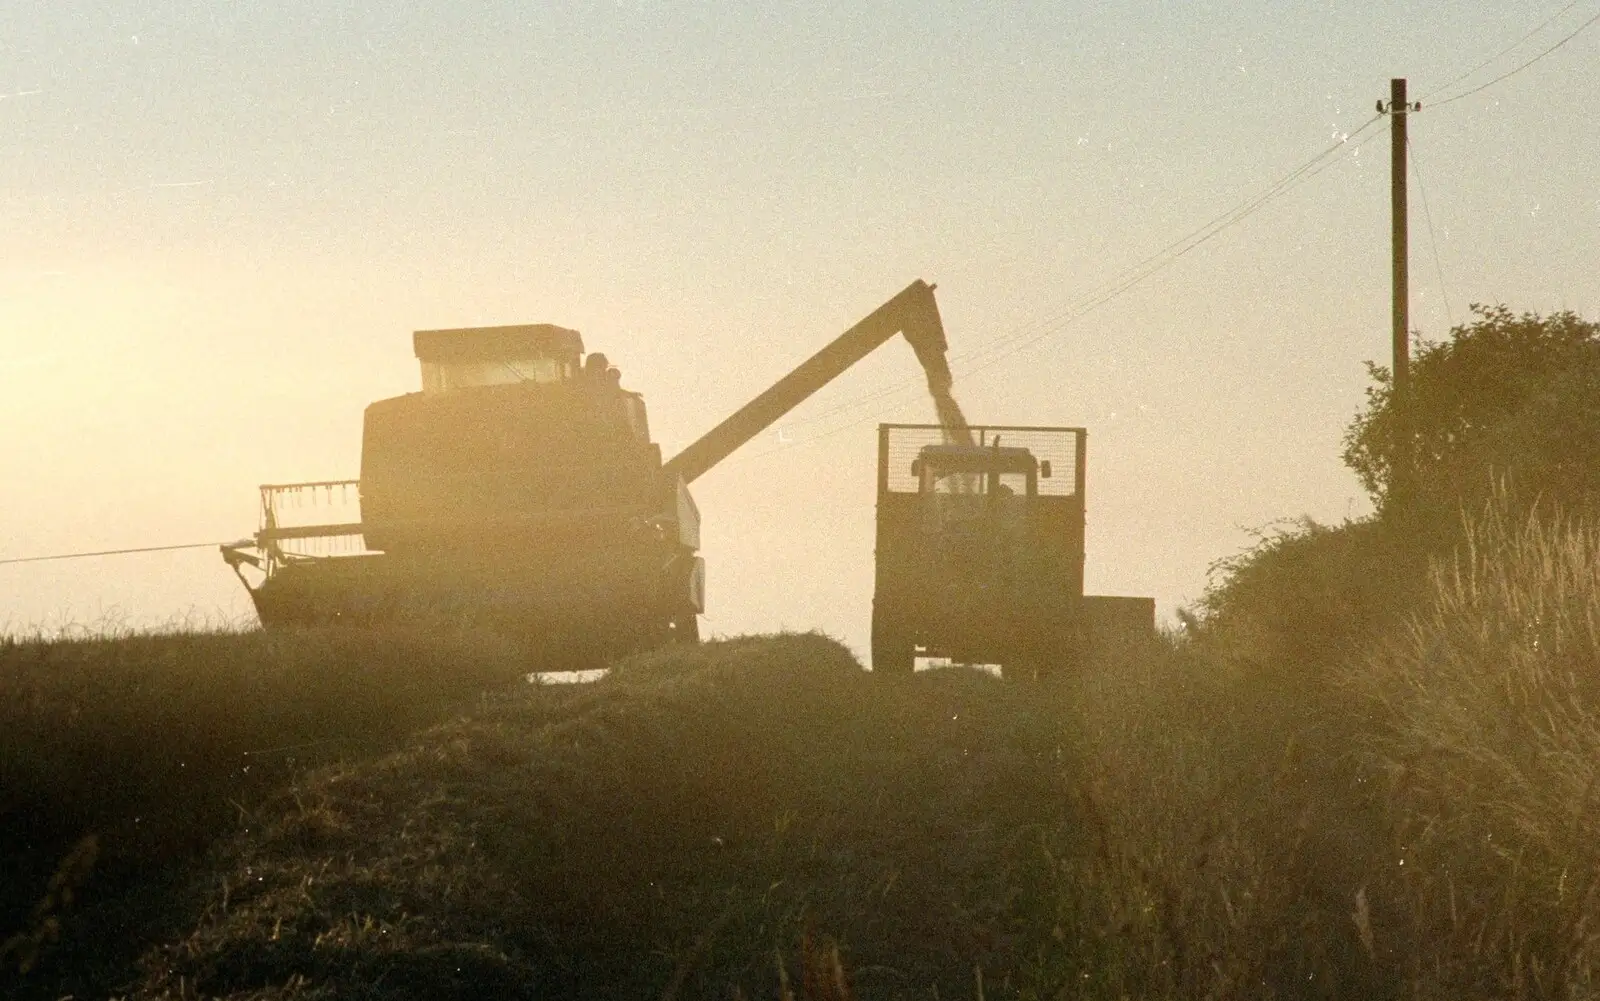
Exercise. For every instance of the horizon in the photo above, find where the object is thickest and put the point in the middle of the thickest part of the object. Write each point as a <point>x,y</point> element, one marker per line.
<point>227,222</point>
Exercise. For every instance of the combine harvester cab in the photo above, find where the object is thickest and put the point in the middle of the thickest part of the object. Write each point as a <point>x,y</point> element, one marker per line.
<point>518,490</point>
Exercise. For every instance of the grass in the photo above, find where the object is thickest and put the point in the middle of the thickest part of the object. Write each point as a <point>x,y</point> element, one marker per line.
<point>679,828</point>
<point>1486,723</point>
<point>1272,813</point>
<point>124,758</point>
<point>1397,797</point>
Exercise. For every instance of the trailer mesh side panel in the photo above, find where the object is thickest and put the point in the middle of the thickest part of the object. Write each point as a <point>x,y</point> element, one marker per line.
<point>1058,446</point>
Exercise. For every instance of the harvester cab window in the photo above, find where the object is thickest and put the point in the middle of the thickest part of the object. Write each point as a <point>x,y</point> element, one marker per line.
<point>466,357</point>
<point>443,376</point>
<point>633,406</point>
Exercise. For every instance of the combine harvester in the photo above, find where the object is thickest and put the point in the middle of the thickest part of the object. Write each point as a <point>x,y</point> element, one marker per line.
<point>520,490</point>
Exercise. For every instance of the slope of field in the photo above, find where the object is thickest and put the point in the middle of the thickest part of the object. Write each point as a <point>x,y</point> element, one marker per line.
<point>672,830</point>
<point>124,759</point>
<point>1273,808</point>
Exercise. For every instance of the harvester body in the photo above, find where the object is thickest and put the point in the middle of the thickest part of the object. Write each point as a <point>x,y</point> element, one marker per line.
<point>518,490</point>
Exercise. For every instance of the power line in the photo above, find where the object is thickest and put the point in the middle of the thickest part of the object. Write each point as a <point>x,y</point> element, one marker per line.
<point>1152,263</point>
<point>1105,291</point>
<point>1355,149</point>
<point>1433,241</point>
<point>1518,69</point>
<point>1171,253</point>
<point>1516,44</point>
<point>109,552</point>
<point>1006,346</point>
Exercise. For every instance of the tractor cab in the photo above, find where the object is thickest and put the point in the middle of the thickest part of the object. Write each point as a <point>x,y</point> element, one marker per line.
<point>974,490</point>
<point>992,470</point>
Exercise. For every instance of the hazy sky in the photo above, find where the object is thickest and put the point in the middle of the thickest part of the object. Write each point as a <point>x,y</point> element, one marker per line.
<point>220,222</point>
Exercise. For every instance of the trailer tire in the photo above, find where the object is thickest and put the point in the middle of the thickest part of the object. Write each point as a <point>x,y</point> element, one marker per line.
<point>893,654</point>
<point>686,629</point>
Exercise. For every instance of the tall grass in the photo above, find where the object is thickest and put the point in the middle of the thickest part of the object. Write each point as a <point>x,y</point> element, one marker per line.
<point>1406,804</point>
<point>1486,718</point>
<point>1213,834</point>
<point>1362,774</point>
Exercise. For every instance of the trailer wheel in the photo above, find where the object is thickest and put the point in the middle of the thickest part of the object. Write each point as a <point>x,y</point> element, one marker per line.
<point>1060,655</point>
<point>686,629</point>
<point>893,654</point>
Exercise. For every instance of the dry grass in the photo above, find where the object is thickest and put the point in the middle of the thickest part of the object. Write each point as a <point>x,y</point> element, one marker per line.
<point>1415,819</point>
<point>1213,837</point>
<point>1390,807</point>
<point>1486,716</point>
<point>157,745</point>
<point>676,829</point>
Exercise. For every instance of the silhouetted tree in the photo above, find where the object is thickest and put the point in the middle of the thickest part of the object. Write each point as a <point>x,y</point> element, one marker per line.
<point>1509,399</point>
<point>1507,395</point>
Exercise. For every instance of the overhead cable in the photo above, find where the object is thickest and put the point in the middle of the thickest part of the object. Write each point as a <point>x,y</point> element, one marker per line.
<point>1433,241</point>
<point>1496,57</point>
<point>1006,346</point>
<point>1105,291</point>
<point>1519,68</point>
<point>110,552</point>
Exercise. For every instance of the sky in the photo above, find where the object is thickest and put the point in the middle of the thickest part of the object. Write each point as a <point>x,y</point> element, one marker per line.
<point>221,222</point>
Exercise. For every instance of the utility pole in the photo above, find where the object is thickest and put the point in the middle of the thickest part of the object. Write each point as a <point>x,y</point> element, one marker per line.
<point>1400,479</point>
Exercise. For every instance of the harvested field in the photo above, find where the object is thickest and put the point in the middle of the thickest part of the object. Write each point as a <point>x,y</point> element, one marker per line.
<point>667,832</point>
<point>674,827</point>
<point>1181,820</point>
<point>131,756</point>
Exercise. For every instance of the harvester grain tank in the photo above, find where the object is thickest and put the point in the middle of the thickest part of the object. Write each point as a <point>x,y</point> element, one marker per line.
<point>520,489</point>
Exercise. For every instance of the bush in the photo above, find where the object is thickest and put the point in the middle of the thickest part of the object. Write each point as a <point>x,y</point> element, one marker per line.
<point>1307,594</point>
<point>1513,394</point>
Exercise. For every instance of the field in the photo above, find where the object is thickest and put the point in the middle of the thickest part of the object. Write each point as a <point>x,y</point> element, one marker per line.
<point>1396,797</point>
